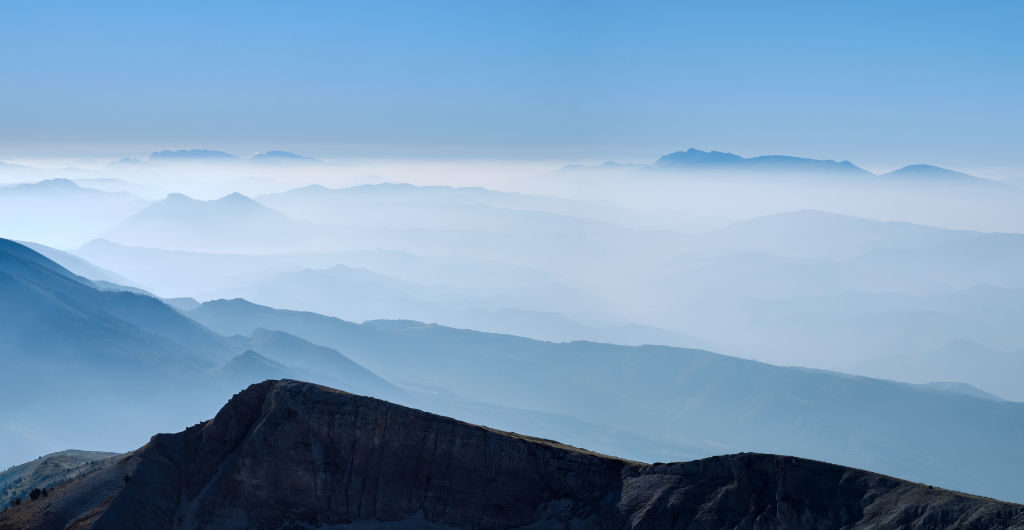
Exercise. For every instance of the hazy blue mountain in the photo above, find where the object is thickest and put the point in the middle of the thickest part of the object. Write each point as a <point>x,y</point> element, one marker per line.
<point>82,358</point>
<point>391,205</point>
<point>889,426</point>
<point>716,160</point>
<point>204,155</point>
<point>841,330</point>
<point>102,368</point>
<point>925,173</point>
<point>959,262</point>
<point>180,222</point>
<point>249,366</point>
<point>282,157</point>
<point>992,370</point>
<point>115,185</point>
<point>77,265</point>
<point>58,212</point>
<point>321,362</point>
<point>194,273</point>
<point>57,186</point>
<point>392,192</point>
<point>960,388</point>
<point>817,234</point>
<point>182,304</point>
<point>350,293</point>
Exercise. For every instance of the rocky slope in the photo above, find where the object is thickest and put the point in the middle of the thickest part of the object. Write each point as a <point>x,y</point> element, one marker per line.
<point>48,471</point>
<point>285,454</point>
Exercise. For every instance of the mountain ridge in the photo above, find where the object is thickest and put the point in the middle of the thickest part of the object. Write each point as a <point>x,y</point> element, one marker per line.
<point>693,159</point>
<point>357,459</point>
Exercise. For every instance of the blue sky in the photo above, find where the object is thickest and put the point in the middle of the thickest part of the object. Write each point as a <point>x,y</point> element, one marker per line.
<point>880,83</point>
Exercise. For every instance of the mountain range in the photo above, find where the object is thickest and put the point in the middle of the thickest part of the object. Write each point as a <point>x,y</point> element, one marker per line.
<point>65,338</point>
<point>721,163</point>
<point>291,454</point>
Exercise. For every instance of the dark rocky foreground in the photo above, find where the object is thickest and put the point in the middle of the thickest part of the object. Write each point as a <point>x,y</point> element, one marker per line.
<point>285,454</point>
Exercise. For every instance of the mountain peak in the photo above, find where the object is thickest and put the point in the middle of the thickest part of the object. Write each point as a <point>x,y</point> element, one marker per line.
<point>178,197</point>
<point>236,197</point>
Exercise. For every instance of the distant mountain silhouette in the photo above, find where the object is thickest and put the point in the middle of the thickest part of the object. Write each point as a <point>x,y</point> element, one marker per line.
<point>59,212</point>
<point>960,388</point>
<point>77,265</point>
<point>291,454</point>
<point>990,369</point>
<point>927,173</point>
<point>250,366</point>
<point>388,193</point>
<point>717,163</point>
<point>179,221</point>
<point>279,157</point>
<point>57,185</point>
<point>695,158</point>
<point>813,234</point>
<point>191,155</point>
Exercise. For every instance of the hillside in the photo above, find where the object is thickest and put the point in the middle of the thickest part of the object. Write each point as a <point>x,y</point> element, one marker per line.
<point>47,471</point>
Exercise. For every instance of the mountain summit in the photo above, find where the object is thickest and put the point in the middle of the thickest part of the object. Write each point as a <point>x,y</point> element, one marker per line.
<point>291,454</point>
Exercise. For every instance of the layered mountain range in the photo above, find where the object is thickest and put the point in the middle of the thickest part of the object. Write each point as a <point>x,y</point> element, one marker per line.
<point>102,367</point>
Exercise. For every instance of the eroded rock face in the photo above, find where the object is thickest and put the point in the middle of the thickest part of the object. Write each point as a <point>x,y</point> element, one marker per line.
<point>285,454</point>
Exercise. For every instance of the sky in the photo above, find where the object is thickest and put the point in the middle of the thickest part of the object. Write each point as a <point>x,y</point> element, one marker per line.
<point>883,84</point>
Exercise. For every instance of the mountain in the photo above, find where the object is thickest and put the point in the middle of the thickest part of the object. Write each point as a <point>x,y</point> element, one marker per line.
<point>55,186</point>
<point>719,163</point>
<point>290,454</point>
<point>181,222</point>
<point>307,357</point>
<point>47,471</point>
<point>199,155</point>
<point>250,366</point>
<point>675,393</point>
<point>81,359</point>
<point>818,234</point>
<point>58,212</point>
<point>926,173</point>
<point>989,369</point>
<point>436,207</point>
<point>282,157</point>
<point>716,160</point>
<point>77,265</point>
<point>960,388</point>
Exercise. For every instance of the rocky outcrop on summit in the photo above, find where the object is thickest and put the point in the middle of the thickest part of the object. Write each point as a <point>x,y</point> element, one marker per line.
<point>285,454</point>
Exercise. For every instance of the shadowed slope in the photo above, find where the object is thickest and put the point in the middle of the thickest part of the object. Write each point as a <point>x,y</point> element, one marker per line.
<point>286,453</point>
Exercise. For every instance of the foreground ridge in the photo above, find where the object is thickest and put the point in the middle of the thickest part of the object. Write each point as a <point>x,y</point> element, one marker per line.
<point>288,454</point>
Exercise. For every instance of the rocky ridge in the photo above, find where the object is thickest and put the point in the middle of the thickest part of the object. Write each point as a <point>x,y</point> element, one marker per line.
<point>286,454</point>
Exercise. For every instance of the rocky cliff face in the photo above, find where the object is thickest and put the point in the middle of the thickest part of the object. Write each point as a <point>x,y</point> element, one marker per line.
<point>285,454</point>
